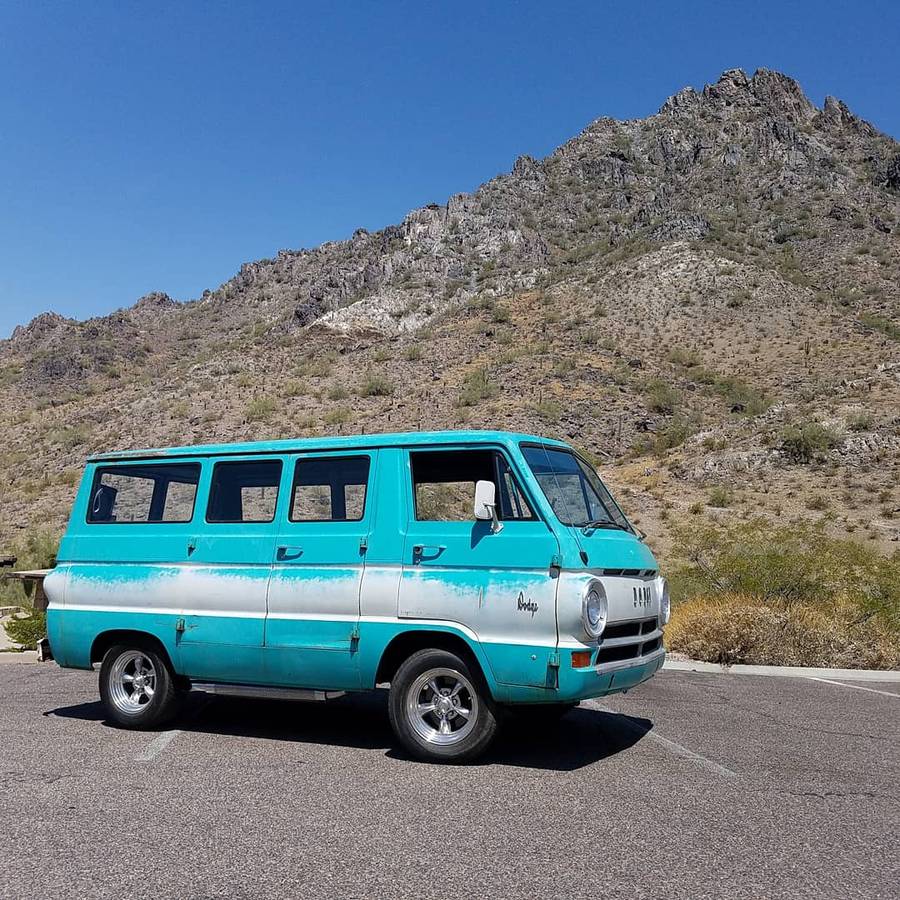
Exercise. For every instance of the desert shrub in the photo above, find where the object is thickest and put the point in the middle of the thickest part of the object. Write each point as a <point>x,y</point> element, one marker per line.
<point>740,395</point>
<point>787,596</point>
<point>27,630</point>
<point>662,397</point>
<point>685,358</point>
<point>69,438</point>
<point>549,410</point>
<point>260,410</point>
<point>674,434</point>
<point>837,586</point>
<point>743,628</point>
<point>477,386</point>
<point>805,442</point>
<point>376,385</point>
<point>35,550</point>
<point>886,326</point>
<point>720,497</point>
<point>337,416</point>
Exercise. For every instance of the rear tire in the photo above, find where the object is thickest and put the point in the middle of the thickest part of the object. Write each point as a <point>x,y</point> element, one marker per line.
<point>441,710</point>
<point>137,686</point>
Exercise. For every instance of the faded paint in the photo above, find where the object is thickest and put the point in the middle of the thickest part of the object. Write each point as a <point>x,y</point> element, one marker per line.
<point>320,612</point>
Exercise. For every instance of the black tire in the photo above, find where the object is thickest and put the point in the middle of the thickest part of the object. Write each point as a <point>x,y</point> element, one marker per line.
<point>134,707</point>
<point>469,735</point>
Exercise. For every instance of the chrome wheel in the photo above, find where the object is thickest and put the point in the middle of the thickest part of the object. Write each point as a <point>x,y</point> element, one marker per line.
<point>442,706</point>
<point>132,682</point>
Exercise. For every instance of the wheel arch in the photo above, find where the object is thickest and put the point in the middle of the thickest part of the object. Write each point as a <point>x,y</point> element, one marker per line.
<point>407,642</point>
<point>106,639</point>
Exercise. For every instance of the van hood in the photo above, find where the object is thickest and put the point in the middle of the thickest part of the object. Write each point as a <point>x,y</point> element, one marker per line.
<point>608,549</point>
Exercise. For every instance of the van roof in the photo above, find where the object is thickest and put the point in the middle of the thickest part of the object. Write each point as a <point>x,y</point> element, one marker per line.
<point>333,442</point>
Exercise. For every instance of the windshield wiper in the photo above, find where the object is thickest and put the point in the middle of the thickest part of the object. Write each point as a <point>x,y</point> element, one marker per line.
<point>604,523</point>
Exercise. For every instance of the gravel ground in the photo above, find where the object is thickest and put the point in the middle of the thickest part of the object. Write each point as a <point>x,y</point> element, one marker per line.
<point>693,785</point>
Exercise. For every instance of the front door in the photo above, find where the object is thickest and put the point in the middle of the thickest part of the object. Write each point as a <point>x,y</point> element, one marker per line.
<point>313,609</point>
<point>458,569</point>
<point>228,571</point>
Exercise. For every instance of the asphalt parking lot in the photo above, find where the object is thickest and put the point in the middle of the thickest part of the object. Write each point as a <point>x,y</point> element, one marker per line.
<point>693,785</point>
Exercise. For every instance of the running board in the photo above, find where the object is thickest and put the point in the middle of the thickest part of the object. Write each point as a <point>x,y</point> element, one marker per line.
<point>266,693</point>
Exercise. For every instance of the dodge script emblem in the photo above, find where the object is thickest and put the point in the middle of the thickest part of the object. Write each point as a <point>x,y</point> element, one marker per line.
<point>642,596</point>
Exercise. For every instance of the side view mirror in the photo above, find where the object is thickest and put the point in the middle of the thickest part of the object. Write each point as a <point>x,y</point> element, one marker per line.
<point>486,504</point>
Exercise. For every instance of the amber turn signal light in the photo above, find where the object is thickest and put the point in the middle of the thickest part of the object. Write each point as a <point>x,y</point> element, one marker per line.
<point>581,659</point>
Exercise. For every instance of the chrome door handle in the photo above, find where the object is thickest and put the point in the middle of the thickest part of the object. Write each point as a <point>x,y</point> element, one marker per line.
<point>287,553</point>
<point>419,551</point>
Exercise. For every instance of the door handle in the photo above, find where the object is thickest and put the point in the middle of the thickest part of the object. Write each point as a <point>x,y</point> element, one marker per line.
<point>419,551</point>
<point>191,545</point>
<point>286,553</point>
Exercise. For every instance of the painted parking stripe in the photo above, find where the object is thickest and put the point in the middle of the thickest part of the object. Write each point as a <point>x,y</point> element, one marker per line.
<point>673,748</point>
<point>157,745</point>
<point>854,687</point>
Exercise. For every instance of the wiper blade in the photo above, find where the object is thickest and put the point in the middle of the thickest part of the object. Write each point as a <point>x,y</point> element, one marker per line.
<point>605,523</point>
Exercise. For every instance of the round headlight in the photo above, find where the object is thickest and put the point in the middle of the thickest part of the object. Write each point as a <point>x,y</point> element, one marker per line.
<point>594,609</point>
<point>665,604</point>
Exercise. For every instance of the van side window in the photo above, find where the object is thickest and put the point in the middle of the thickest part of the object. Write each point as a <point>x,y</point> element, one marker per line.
<point>444,485</point>
<point>330,489</point>
<point>244,491</point>
<point>143,493</point>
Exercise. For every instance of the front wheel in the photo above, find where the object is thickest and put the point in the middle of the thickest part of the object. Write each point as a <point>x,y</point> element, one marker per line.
<point>439,708</point>
<point>137,687</point>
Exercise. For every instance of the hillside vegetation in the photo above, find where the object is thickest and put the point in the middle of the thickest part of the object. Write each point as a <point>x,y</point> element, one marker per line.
<point>706,301</point>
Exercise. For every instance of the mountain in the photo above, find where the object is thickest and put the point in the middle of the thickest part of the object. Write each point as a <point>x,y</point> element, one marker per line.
<point>706,300</point>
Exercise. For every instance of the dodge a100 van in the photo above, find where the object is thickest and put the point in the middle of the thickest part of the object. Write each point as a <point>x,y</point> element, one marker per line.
<point>476,572</point>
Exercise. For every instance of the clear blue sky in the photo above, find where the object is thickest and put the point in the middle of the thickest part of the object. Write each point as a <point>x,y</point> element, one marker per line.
<point>157,146</point>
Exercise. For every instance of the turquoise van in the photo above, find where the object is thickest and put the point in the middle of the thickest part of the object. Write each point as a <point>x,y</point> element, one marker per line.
<point>477,573</point>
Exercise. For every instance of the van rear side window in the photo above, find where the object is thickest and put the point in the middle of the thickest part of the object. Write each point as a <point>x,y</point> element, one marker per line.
<point>244,491</point>
<point>143,493</point>
<point>330,489</point>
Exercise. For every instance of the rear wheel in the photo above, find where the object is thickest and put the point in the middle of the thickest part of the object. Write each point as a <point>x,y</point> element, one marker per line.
<point>440,709</point>
<point>137,686</point>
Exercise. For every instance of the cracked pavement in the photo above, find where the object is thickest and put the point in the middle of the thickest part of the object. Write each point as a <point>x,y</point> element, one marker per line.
<point>693,785</point>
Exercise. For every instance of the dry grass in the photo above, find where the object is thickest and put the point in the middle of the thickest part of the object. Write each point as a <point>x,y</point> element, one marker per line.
<point>743,628</point>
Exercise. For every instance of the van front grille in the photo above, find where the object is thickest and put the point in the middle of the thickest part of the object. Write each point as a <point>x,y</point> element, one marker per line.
<point>616,654</point>
<point>632,650</point>
<point>630,573</point>
<point>626,629</point>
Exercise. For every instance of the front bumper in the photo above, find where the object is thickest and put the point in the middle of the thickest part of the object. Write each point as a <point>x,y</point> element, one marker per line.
<point>607,678</point>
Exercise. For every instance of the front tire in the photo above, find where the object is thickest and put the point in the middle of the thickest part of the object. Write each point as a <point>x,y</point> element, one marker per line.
<point>440,709</point>
<point>137,686</point>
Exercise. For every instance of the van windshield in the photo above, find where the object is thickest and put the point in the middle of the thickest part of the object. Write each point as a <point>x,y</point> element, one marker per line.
<point>575,491</point>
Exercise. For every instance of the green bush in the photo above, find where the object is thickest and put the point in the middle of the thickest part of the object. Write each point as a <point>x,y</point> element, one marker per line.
<point>375,385</point>
<point>797,563</point>
<point>260,410</point>
<point>806,442</point>
<point>477,386</point>
<point>673,435</point>
<point>756,593</point>
<point>662,397</point>
<point>26,631</point>
<point>35,550</point>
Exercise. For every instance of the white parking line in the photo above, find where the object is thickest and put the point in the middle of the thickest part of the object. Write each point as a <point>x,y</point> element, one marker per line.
<point>157,745</point>
<point>676,749</point>
<point>855,687</point>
